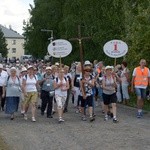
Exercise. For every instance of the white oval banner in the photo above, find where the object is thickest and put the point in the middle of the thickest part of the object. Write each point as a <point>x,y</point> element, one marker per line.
<point>59,48</point>
<point>115,48</point>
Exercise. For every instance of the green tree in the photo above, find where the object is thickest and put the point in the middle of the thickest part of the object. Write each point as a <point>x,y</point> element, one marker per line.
<point>137,30</point>
<point>3,45</point>
<point>45,15</point>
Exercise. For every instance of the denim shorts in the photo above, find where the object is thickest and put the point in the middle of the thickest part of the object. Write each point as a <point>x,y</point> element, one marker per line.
<point>141,92</point>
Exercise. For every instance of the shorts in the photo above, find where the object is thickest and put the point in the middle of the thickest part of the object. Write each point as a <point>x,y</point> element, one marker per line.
<point>87,102</point>
<point>140,92</point>
<point>31,98</point>
<point>108,99</point>
<point>60,100</point>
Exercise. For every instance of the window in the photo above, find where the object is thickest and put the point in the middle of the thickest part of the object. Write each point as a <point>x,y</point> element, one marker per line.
<point>13,42</point>
<point>13,50</point>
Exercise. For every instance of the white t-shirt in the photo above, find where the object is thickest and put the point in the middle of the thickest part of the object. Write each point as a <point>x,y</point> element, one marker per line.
<point>3,77</point>
<point>134,74</point>
<point>58,91</point>
<point>30,83</point>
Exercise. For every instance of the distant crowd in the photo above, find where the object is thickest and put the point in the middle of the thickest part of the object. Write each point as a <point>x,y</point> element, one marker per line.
<point>52,87</point>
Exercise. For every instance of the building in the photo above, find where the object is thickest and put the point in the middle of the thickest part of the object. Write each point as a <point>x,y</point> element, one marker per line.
<point>14,41</point>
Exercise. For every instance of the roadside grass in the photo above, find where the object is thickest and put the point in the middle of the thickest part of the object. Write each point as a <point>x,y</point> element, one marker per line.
<point>132,102</point>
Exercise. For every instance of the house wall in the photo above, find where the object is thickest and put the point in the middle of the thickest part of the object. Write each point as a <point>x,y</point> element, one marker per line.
<point>15,47</point>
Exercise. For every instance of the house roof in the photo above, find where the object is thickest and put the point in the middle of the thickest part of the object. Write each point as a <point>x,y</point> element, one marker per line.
<point>9,33</point>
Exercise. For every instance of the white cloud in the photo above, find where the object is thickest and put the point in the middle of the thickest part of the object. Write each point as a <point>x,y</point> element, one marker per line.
<point>13,12</point>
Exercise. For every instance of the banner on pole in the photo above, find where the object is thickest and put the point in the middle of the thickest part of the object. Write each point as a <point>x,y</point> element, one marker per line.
<point>115,48</point>
<point>59,48</point>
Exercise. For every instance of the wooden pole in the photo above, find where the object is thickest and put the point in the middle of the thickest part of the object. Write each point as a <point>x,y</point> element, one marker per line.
<point>79,39</point>
<point>115,62</point>
<point>60,63</point>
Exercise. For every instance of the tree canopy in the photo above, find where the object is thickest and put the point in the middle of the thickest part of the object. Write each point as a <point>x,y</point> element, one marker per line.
<point>3,45</point>
<point>103,20</point>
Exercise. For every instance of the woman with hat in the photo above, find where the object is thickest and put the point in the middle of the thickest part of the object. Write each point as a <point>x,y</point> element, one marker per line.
<point>86,85</point>
<point>109,92</point>
<point>47,92</point>
<point>29,86</point>
<point>13,90</point>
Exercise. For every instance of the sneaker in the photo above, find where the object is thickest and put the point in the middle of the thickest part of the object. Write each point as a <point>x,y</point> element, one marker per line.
<point>12,117</point>
<point>33,119</point>
<point>139,114</point>
<point>106,118</point>
<point>22,112</point>
<point>94,115</point>
<point>115,120</point>
<point>25,117</point>
<point>50,116</point>
<point>84,118</point>
<point>92,119</point>
<point>77,111</point>
<point>60,120</point>
<point>103,111</point>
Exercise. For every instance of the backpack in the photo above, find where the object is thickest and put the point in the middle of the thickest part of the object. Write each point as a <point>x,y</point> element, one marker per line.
<point>33,75</point>
<point>57,79</point>
<point>45,76</point>
<point>17,78</point>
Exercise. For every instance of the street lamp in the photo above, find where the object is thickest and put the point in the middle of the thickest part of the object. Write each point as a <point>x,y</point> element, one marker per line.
<point>50,39</point>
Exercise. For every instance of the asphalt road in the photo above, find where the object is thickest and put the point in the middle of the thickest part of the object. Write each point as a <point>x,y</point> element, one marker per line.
<point>46,134</point>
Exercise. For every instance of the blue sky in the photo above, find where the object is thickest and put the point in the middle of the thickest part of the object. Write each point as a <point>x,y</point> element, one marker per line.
<point>13,12</point>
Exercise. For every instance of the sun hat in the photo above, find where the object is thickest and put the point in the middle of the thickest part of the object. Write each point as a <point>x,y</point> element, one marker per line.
<point>30,67</point>
<point>13,68</point>
<point>56,64</point>
<point>108,67</point>
<point>48,68</point>
<point>87,62</point>
<point>23,69</point>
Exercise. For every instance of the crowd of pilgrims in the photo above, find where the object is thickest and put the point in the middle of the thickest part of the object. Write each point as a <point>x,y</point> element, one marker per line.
<point>51,88</point>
